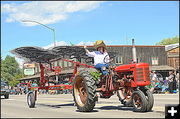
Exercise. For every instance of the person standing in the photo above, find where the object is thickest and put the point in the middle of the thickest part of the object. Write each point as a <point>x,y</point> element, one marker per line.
<point>34,84</point>
<point>165,86</point>
<point>29,86</point>
<point>154,76</point>
<point>177,79</point>
<point>172,82</point>
<point>154,81</point>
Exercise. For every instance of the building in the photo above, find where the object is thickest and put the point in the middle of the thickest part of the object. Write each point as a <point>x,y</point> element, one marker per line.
<point>155,56</point>
<point>173,55</point>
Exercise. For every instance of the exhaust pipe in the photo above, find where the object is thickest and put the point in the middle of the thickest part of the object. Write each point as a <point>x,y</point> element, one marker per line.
<point>134,52</point>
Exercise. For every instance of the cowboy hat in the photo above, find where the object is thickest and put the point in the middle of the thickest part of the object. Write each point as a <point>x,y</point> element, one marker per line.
<point>99,43</point>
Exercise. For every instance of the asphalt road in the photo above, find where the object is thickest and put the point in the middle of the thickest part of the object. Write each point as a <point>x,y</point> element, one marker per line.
<point>62,106</point>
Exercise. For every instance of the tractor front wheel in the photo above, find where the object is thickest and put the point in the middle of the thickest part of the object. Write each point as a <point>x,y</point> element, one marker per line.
<point>31,100</point>
<point>149,97</point>
<point>139,101</point>
<point>84,92</point>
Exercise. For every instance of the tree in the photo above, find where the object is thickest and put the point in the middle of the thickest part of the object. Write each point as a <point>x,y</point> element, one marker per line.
<point>13,83</point>
<point>168,41</point>
<point>10,70</point>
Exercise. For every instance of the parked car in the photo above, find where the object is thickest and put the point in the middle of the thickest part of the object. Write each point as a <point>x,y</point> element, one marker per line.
<point>5,89</point>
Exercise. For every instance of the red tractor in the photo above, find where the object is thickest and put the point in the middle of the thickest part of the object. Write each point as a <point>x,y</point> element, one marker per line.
<point>127,81</point>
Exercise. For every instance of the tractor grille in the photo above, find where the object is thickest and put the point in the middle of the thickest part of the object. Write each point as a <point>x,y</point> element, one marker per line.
<point>147,75</point>
<point>142,73</point>
<point>139,74</point>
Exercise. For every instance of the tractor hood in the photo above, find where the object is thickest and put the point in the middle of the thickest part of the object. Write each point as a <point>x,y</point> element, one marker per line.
<point>129,67</point>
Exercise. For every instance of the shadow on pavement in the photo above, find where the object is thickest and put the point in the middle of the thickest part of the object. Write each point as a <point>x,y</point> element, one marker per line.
<point>88,112</point>
<point>61,105</point>
<point>56,106</point>
<point>115,108</point>
<point>119,108</point>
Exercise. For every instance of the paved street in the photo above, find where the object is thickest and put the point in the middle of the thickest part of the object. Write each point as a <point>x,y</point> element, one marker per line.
<point>61,106</point>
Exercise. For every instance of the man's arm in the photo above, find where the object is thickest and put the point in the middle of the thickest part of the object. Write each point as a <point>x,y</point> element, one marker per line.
<point>87,51</point>
<point>90,54</point>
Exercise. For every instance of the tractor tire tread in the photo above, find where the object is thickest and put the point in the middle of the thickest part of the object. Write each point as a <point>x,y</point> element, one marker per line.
<point>143,99</point>
<point>91,90</point>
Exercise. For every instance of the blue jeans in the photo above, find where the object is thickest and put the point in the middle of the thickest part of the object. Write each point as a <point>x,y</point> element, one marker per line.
<point>99,67</point>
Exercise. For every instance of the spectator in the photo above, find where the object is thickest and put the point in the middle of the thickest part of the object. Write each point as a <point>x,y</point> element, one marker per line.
<point>177,80</point>
<point>43,91</point>
<point>21,89</point>
<point>172,82</point>
<point>18,90</point>
<point>29,85</point>
<point>165,86</point>
<point>154,81</point>
<point>25,89</point>
<point>154,76</point>
<point>34,84</point>
<point>40,91</point>
<point>66,91</point>
<point>12,91</point>
<point>151,75</point>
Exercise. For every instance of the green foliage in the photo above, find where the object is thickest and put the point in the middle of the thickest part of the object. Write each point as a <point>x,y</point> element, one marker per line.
<point>10,70</point>
<point>96,75</point>
<point>13,82</point>
<point>168,41</point>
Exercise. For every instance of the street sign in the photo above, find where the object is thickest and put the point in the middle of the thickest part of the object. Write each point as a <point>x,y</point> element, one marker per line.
<point>29,71</point>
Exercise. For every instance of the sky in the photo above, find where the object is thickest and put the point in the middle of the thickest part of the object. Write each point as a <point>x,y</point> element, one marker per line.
<point>84,22</point>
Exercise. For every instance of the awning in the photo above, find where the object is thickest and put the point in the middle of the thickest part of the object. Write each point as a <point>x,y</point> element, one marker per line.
<point>161,67</point>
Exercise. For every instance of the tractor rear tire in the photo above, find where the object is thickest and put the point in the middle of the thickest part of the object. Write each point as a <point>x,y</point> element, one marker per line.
<point>84,92</point>
<point>139,101</point>
<point>31,100</point>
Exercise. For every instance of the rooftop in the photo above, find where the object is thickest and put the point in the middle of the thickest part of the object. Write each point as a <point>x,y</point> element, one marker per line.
<point>171,46</point>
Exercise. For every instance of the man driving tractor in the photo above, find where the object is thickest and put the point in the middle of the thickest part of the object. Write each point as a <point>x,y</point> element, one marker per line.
<point>101,57</point>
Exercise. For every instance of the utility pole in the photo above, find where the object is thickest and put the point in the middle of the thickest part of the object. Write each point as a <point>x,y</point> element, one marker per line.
<point>44,26</point>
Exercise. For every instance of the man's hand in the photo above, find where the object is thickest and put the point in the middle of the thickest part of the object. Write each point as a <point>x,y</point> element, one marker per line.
<point>110,60</point>
<point>85,47</point>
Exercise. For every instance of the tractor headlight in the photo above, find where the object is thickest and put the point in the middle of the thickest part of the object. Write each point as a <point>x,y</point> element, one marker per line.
<point>103,68</point>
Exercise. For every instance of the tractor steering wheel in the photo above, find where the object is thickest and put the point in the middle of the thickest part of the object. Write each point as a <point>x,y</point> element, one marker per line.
<point>106,59</point>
